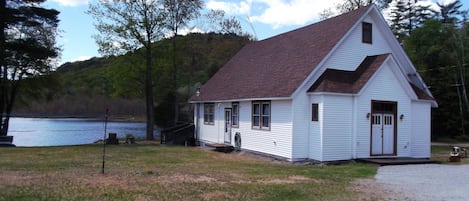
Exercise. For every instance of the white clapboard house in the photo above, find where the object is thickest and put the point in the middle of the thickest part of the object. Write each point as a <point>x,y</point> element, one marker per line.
<point>339,89</point>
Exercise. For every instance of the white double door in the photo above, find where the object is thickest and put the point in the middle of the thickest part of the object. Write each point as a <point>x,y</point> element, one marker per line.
<point>382,134</point>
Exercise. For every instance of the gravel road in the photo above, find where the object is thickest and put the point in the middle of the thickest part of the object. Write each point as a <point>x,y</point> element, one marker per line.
<point>426,182</point>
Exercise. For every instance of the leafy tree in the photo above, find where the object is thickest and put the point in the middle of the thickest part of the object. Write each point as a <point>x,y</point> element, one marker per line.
<point>439,51</point>
<point>454,20</point>
<point>27,48</point>
<point>349,5</point>
<point>220,23</point>
<point>126,26</point>
<point>326,13</point>
<point>178,13</point>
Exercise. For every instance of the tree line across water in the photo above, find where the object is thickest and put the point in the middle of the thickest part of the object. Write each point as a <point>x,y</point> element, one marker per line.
<point>89,87</point>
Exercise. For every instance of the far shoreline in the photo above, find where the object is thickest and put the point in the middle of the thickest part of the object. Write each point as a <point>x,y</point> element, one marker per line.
<point>113,118</point>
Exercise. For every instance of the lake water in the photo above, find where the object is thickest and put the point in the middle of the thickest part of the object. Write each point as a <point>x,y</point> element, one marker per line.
<point>68,131</point>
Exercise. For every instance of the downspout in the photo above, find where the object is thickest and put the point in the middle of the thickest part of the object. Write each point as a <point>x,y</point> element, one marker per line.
<point>197,126</point>
<point>220,114</point>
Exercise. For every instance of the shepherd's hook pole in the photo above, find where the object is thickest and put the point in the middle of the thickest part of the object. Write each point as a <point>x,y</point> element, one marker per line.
<point>104,138</point>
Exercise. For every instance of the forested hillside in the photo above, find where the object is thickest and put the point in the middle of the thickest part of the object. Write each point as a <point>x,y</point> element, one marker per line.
<point>89,87</point>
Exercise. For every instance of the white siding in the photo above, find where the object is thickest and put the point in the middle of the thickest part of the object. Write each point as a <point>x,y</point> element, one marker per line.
<point>301,120</point>
<point>352,51</point>
<point>421,129</point>
<point>316,130</point>
<point>337,127</point>
<point>384,86</point>
<point>213,133</point>
<point>277,141</point>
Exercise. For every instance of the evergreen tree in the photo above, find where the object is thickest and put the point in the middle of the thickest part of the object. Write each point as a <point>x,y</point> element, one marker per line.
<point>406,15</point>
<point>27,48</point>
<point>451,13</point>
<point>439,50</point>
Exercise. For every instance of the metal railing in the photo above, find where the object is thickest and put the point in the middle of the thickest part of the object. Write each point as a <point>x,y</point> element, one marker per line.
<point>182,134</point>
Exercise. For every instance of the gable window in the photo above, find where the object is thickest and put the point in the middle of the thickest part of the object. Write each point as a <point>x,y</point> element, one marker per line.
<point>209,113</point>
<point>314,112</point>
<point>235,115</point>
<point>261,115</point>
<point>367,32</point>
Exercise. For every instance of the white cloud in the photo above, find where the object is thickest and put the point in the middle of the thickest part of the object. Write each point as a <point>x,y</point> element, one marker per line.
<point>230,8</point>
<point>81,58</point>
<point>295,12</point>
<point>184,32</point>
<point>430,3</point>
<point>71,3</point>
<point>277,13</point>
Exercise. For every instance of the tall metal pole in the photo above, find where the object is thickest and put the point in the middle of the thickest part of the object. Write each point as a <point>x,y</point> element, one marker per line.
<point>104,138</point>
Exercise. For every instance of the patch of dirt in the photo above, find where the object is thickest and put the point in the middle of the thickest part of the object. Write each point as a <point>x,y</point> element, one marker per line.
<point>114,182</point>
<point>369,189</point>
<point>17,179</point>
<point>290,180</point>
<point>185,178</point>
<point>141,197</point>
<point>215,195</point>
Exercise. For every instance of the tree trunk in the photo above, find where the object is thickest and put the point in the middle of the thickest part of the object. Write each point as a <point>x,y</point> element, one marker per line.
<point>3,131</point>
<point>461,112</point>
<point>9,102</point>
<point>175,71</point>
<point>149,94</point>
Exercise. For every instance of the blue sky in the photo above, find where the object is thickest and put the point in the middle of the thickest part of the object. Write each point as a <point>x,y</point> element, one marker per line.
<point>267,17</point>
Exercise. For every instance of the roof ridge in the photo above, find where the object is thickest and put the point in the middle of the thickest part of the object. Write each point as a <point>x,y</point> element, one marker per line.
<point>309,26</point>
<point>277,66</point>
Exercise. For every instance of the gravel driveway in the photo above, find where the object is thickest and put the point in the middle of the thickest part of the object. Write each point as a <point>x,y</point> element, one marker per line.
<point>426,182</point>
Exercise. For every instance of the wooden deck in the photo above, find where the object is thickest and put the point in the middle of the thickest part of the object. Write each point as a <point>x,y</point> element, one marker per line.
<point>225,148</point>
<point>397,161</point>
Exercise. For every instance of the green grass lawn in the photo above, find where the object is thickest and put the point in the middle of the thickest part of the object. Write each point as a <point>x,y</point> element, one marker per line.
<point>153,172</point>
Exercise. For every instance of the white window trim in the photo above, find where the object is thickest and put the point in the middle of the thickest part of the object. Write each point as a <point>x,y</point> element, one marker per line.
<point>261,116</point>
<point>207,115</point>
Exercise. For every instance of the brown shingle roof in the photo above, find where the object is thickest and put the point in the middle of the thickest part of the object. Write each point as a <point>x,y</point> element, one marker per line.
<point>340,81</point>
<point>277,66</point>
<point>420,93</point>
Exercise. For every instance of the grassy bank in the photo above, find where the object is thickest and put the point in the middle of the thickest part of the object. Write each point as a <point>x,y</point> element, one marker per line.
<point>153,172</point>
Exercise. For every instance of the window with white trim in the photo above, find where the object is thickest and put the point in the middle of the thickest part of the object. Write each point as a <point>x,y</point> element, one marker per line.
<point>209,113</point>
<point>261,115</point>
<point>315,112</point>
<point>367,32</point>
<point>235,115</point>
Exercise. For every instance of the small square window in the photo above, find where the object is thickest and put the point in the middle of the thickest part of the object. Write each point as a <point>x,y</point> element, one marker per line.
<point>367,32</point>
<point>314,112</point>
